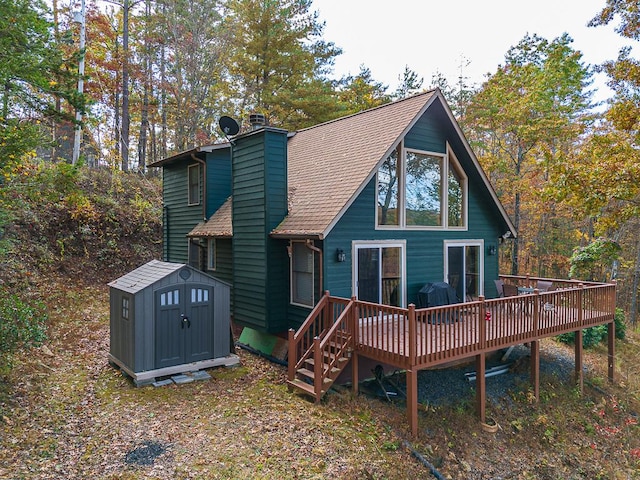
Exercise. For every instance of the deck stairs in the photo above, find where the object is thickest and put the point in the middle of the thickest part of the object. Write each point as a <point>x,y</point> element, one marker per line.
<point>319,351</point>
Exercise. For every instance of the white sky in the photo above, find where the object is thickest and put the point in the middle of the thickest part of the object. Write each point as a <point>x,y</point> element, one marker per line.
<point>431,36</point>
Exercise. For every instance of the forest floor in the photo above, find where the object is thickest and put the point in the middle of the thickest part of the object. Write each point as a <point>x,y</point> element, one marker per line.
<point>66,413</point>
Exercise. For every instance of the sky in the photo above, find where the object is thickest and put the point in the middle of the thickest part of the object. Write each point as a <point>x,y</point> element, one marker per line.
<point>439,36</point>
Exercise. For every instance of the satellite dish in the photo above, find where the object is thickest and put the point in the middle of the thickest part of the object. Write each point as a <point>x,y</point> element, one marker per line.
<point>228,126</point>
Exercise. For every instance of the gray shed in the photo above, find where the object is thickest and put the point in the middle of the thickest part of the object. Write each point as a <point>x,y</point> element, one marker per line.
<point>169,318</point>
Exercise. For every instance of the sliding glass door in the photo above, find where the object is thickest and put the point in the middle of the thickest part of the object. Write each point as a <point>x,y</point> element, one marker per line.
<point>464,268</point>
<point>379,273</point>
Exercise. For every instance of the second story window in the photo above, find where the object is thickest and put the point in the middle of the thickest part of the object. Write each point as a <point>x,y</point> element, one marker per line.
<point>417,189</point>
<point>194,184</point>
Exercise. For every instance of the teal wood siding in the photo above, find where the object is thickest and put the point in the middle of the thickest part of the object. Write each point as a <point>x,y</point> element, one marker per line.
<point>218,179</point>
<point>178,217</point>
<point>260,263</point>
<point>224,263</point>
<point>424,248</point>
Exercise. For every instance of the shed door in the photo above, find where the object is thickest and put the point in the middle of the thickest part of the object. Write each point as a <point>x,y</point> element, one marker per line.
<point>184,325</point>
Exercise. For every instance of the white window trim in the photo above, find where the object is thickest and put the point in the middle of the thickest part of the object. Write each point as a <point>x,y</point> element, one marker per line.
<point>211,254</point>
<point>313,277</point>
<point>189,203</point>
<point>402,244</point>
<point>465,243</point>
<point>448,156</point>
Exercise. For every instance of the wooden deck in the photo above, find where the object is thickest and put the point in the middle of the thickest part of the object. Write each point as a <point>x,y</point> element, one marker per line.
<point>413,339</point>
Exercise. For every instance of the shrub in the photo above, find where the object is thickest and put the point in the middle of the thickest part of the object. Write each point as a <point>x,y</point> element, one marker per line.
<point>594,335</point>
<point>591,336</point>
<point>22,323</point>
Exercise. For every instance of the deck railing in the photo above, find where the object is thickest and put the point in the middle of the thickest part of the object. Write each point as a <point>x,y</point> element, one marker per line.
<point>317,324</point>
<point>407,337</point>
<point>410,337</point>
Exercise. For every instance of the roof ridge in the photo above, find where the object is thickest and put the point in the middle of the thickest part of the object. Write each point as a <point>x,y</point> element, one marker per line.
<point>395,102</point>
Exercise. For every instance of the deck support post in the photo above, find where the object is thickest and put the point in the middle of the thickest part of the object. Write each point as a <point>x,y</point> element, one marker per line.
<point>481,391</point>
<point>611,341</point>
<point>412,400</point>
<point>535,368</point>
<point>578,353</point>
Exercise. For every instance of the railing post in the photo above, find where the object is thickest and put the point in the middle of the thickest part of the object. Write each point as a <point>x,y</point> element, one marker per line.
<point>413,335</point>
<point>580,304</point>
<point>292,355</point>
<point>482,324</point>
<point>354,321</point>
<point>318,377</point>
<point>536,312</point>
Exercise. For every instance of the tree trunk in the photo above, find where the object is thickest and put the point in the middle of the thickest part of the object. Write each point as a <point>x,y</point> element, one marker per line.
<point>125,87</point>
<point>516,214</point>
<point>163,96</point>
<point>633,314</point>
<point>144,121</point>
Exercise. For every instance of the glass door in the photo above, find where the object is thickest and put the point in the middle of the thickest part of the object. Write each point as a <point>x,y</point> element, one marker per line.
<point>464,269</point>
<point>379,274</point>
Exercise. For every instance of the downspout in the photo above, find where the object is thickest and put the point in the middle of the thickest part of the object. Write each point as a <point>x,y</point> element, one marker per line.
<point>309,244</point>
<point>204,185</point>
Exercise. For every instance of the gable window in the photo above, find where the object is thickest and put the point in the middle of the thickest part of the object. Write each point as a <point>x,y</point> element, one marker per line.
<point>194,184</point>
<point>302,275</point>
<point>417,189</point>
<point>211,254</point>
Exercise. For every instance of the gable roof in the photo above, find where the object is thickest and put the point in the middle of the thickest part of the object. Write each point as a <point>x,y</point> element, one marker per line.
<point>145,275</point>
<point>331,163</point>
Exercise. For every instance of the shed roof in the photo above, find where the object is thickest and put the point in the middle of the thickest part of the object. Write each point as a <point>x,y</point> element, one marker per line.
<point>140,278</point>
<point>219,225</point>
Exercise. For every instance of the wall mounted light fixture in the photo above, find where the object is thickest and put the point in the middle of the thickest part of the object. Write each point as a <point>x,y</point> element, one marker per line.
<point>492,250</point>
<point>340,255</point>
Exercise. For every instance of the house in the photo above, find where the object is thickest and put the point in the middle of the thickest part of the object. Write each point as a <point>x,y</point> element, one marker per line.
<point>373,205</point>
<point>370,207</point>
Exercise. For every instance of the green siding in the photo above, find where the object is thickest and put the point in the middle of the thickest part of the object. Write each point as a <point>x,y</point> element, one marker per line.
<point>259,204</point>
<point>218,179</point>
<point>424,249</point>
<point>178,218</point>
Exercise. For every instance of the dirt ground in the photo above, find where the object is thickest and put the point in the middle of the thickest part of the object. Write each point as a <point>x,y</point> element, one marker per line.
<point>66,413</point>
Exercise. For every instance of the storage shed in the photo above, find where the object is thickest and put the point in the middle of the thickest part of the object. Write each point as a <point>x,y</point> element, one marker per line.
<point>169,318</point>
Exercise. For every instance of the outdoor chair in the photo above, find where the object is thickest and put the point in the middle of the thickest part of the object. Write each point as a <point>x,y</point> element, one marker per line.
<point>544,286</point>
<point>499,287</point>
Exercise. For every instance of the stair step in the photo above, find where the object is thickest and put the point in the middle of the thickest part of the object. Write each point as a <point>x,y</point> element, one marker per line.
<point>304,386</point>
<point>305,372</point>
<point>311,362</point>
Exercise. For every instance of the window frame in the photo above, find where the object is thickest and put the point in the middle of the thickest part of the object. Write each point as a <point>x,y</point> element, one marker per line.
<point>381,244</point>
<point>194,190</point>
<point>293,298</point>
<point>449,162</point>
<point>211,254</point>
<point>126,307</point>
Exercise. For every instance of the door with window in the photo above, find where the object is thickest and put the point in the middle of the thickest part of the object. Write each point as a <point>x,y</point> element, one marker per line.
<point>465,269</point>
<point>379,273</point>
<point>184,324</point>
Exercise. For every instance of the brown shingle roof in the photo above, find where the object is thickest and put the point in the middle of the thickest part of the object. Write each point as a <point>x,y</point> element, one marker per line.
<point>330,163</point>
<point>219,225</point>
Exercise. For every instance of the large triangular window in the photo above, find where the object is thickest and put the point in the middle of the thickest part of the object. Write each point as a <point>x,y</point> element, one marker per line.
<point>420,189</point>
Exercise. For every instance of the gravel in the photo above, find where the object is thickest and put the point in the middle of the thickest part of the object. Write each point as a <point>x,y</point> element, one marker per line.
<point>447,386</point>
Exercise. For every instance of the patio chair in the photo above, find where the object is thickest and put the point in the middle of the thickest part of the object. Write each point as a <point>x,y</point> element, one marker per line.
<point>499,287</point>
<point>544,286</point>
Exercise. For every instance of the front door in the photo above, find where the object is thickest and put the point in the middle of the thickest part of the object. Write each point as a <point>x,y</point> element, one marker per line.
<point>184,325</point>
<point>379,273</point>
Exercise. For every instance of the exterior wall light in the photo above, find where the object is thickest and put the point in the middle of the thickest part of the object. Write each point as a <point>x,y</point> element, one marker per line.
<point>340,255</point>
<point>492,250</point>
